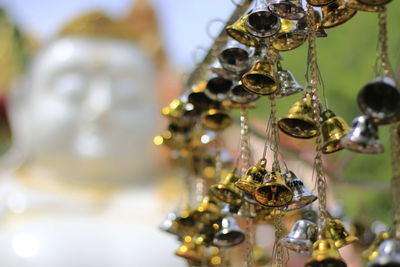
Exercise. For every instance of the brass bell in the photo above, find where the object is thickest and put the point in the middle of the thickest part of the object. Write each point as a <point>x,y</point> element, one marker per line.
<point>198,98</point>
<point>274,192</point>
<point>339,234</point>
<point>363,137</point>
<point>325,254</point>
<point>239,32</point>
<point>191,250</point>
<point>358,5</point>
<point>372,252</point>
<point>174,137</point>
<point>381,100</point>
<point>299,121</point>
<point>180,113</point>
<point>261,22</point>
<point>230,234</point>
<point>333,129</point>
<point>235,57</point>
<point>301,237</point>
<point>388,254</point>
<point>238,94</point>
<point>216,119</point>
<point>289,85</point>
<point>261,79</point>
<point>336,13</point>
<point>226,191</point>
<point>375,2</point>
<point>253,177</point>
<point>302,25</point>
<point>288,37</point>
<point>302,196</point>
<point>287,9</point>
<point>319,2</point>
<point>217,87</point>
<point>208,210</point>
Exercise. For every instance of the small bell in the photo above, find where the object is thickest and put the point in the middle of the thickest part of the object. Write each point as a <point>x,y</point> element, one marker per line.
<point>381,100</point>
<point>325,254</point>
<point>261,79</point>
<point>261,22</point>
<point>230,234</point>
<point>235,57</point>
<point>363,137</point>
<point>336,13</point>
<point>238,32</point>
<point>217,87</point>
<point>216,119</point>
<point>358,5</point>
<point>299,121</point>
<point>319,2</point>
<point>372,252</point>
<point>339,234</point>
<point>375,2</point>
<point>388,254</point>
<point>288,37</point>
<point>226,191</point>
<point>198,98</point>
<point>301,237</point>
<point>253,177</point>
<point>174,137</point>
<point>274,192</point>
<point>191,250</point>
<point>287,9</point>
<point>333,129</point>
<point>289,85</point>
<point>238,94</point>
<point>302,196</point>
<point>208,210</point>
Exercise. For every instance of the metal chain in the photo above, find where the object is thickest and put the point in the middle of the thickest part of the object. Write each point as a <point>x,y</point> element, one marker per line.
<point>274,136</point>
<point>278,254</point>
<point>395,142</point>
<point>244,140</point>
<point>382,61</point>
<point>249,258</point>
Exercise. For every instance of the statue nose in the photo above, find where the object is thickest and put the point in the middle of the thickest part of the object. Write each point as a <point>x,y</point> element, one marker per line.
<point>98,99</point>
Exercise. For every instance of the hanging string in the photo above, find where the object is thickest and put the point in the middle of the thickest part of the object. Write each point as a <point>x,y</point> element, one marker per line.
<point>382,63</point>
<point>395,142</point>
<point>274,135</point>
<point>279,253</point>
<point>244,140</point>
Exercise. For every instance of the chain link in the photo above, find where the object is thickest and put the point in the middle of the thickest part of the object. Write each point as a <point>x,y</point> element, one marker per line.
<point>382,61</point>
<point>278,254</point>
<point>249,258</point>
<point>395,143</point>
<point>244,140</point>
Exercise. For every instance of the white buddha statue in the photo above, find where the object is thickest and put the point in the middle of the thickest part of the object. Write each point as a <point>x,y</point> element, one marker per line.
<point>77,190</point>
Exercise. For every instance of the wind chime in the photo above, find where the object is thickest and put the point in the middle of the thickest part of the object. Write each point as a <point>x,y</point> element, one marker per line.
<point>244,64</point>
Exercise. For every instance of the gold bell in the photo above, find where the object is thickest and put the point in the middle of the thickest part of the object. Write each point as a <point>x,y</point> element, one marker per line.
<point>239,32</point>
<point>358,5</point>
<point>208,210</point>
<point>333,129</point>
<point>372,252</point>
<point>275,192</point>
<point>299,121</point>
<point>198,98</point>
<point>180,113</point>
<point>216,119</point>
<point>261,79</point>
<point>226,191</point>
<point>288,37</point>
<point>253,177</point>
<point>339,234</point>
<point>325,254</point>
<point>319,2</point>
<point>375,2</point>
<point>302,25</point>
<point>191,249</point>
<point>336,13</point>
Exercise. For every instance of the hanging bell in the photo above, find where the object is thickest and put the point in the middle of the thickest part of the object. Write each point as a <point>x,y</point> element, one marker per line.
<point>289,85</point>
<point>287,9</point>
<point>230,234</point>
<point>253,177</point>
<point>288,38</point>
<point>208,210</point>
<point>180,113</point>
<point>261,22</point>
<point>381,100</point>
<point>333,129</point>
<point>339,234</point>
<point>372,252</point>
<point>302,196</point>
<point>299,121</point>
<point>302,25</point>
<point>191,250</point>
<point>375,2</point>
<point>226,191</point>
<point>261,79</point>
<point>388,254</point>
<point>274,192</point>
<point>358,5</point>
<point>235,57</point>
<point>301,237</point>
<point>336,13</point>
<point>238,32</point>
<point>325,254</point>
<point>216,119</point>
<point>238,94</point>
<point>217,87</point>
<point>198,98</point>
<point>363,137</point>
<point>319,2</point>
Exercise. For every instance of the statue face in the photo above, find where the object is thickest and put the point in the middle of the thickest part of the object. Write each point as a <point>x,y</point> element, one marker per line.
<point>91,108</point>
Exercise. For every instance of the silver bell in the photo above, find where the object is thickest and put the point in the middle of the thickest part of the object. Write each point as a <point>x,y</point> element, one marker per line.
<point>289,85</point>
<point>261,22</point>
<point>363,137</point>
<point>235,57</point>
<point>380,99</point>
<point>301,237</point>
<point>238,94</point>
<point>388,254</point>
<point>230,234</point>
<point>217,87</point>
<point>287,9</point>
<point>302,196</point>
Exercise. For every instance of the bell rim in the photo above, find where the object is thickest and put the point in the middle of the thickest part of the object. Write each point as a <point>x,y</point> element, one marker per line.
<point>218,192</point>
<point>332,146</point>
<point>384,2</point>
<point>251,89</point>
<point>356,147</point>
<point>247,187</point>
<point>357,5</point>
<point>313,131</point>
<point>261,200</point>
<point>251,30</point>
<point>296,45</point>
<point>287,241</point>
<point>319,5</point>
<point>350,15</point>
<point>298,14</point>
<point>299,204</point>
<point>245,38</point>
<point>223,243</point>
<point>295,90</point>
